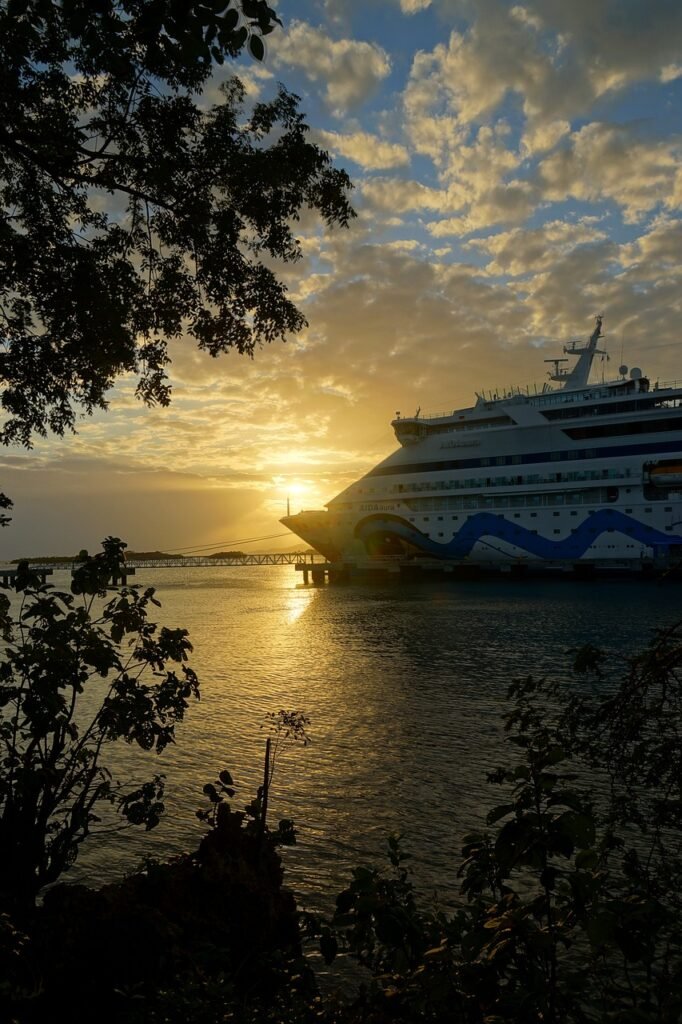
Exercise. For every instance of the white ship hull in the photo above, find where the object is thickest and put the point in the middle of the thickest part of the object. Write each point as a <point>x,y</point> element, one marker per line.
<point>574,476</point>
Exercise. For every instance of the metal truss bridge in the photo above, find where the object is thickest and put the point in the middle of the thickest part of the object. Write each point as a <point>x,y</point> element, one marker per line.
<point>187,562</point>
<point>197,561</point>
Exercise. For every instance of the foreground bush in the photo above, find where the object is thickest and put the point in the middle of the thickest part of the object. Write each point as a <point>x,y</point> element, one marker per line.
<point>80,670</point>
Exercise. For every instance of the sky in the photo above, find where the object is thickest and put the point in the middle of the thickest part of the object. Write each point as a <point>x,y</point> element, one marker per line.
<point>516,171</point>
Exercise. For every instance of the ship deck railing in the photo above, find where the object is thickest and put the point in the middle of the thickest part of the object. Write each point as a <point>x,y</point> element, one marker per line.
<point>545,394</point>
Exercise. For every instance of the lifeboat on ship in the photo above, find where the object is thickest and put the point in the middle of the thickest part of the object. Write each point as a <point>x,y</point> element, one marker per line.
<point>666,475</point>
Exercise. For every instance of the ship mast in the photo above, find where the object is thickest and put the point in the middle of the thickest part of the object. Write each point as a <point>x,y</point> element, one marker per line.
<point>578,376</point>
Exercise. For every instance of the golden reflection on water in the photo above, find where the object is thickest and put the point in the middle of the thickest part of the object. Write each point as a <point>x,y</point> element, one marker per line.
<point>404,687</point>
<point>299,599</point>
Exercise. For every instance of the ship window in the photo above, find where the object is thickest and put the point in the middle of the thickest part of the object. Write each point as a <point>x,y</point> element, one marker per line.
<point>574,513</point>
<point>440,534</point>
<point>533,515</point>
<point>647,510</point>
<point>440,519</point>
<point>668,508</point>
<point>556,513</point>
<point>517,515</point>
<point>426,519</point>
<point>628,510</point>
<point>411,519</point>
<point>622,429</point>
<point>455,517</point>
<point>516,459</point>
<point>557,531</point>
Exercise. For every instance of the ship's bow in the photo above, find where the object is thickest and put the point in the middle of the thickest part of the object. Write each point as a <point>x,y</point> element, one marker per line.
<point>313,527</point>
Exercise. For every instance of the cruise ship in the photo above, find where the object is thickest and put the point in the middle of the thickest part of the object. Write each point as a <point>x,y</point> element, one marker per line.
<point>574,475</point>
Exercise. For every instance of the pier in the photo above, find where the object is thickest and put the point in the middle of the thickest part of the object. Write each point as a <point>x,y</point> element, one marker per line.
<point>8,575</point>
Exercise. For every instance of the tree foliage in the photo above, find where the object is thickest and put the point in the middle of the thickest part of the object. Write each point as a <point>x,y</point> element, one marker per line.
<point>132,210</point>
<point>81,670</point>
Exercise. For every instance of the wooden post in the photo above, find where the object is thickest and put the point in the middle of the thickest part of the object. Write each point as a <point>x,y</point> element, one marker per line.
<point>266,785</point>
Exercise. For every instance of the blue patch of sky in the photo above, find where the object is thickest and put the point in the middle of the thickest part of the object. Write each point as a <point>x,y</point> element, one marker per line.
<point>654,106</point>
<point>400,34</point>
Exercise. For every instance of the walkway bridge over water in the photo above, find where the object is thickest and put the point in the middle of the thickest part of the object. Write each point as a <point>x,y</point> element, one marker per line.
<point>303,562</point>
<point>203,562</point>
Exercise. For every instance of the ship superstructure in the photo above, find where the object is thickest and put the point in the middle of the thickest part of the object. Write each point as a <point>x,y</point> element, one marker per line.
<point>573,475</point>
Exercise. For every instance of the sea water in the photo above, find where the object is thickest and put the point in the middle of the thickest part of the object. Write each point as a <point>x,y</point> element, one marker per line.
<point>404,686</point>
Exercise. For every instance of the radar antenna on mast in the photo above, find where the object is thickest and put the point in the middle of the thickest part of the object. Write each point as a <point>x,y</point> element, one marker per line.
<point>559,373</point>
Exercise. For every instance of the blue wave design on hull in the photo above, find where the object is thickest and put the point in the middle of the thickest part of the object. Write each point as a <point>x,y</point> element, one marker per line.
<point>488,524</point>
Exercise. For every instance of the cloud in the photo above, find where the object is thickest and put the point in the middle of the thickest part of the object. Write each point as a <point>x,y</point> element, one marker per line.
<point>350,70</point>
<point>543,135</point>
<point>405,245</point>
<point>399,195</point>
<point>510,203</point>
<point>671,72</point>
<point>365,149</point>
<point>657,253</point>
<point>612,161</point>
<point>521,251</point>
<point>413,6</point>
<point>555,58</point>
